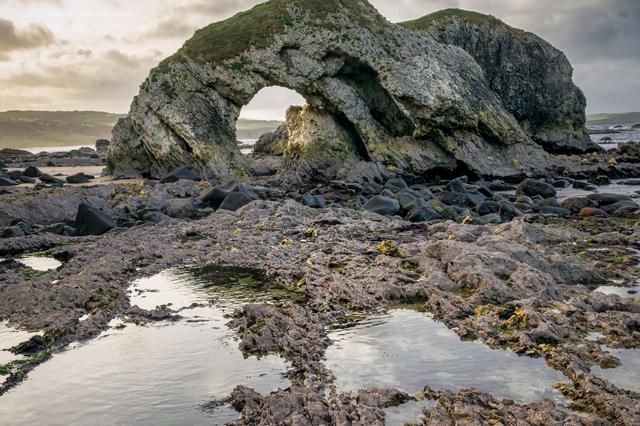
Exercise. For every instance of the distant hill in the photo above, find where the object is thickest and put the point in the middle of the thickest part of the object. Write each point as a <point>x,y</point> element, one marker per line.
<point>609,119</point>
<point>24,129</point>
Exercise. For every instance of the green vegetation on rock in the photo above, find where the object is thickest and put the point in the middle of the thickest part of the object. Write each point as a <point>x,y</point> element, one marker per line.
<point>469,16</point>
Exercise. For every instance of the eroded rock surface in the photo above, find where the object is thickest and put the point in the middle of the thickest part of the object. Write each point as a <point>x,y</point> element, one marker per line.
<point>533,78</point>
<point>408,102</point>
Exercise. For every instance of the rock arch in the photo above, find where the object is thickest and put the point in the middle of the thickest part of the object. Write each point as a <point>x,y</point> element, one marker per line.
<point>409,104</point>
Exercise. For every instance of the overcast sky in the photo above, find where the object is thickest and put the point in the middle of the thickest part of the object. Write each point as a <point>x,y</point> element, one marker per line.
<point>93,54</point>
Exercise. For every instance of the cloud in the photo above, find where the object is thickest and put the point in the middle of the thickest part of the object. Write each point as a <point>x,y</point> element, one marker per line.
<point>31,37</point>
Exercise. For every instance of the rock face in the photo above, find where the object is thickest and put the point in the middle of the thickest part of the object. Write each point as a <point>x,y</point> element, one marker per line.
<point>532,77</point>
<point>405,102</point>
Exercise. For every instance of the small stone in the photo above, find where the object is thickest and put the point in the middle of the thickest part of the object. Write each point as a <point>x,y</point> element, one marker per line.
<point>32,171</point>
<point>313,201</point>
<point>509,212</point>
<point>592,212</point>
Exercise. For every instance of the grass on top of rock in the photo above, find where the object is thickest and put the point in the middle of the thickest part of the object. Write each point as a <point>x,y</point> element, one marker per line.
<point>469,16</point>
<point>255,28</point>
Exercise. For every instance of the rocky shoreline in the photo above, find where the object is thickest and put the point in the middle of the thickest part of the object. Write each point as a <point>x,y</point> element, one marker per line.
<point>506,263</point>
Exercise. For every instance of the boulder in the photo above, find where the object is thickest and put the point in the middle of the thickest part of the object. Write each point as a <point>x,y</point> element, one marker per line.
<point>154,216</point>
<point>15,174</point>
<point>423,213</point>
<point>213,197</point>
<point>32,171</point>
<point>13,232</point>
<point>487,207</point>
<point>592,212</point>
<point>382,205</point>
<point>606,199</point>
<point>181,173</point>
<point>508,212</point>
<point>91,221</point>
<point>180,208</point>
<point>313,201</point>
<point>5,181</point>
<point>531,187</point>
<point>26,179</point>
<point>577,204</point>
<point>47,178</point>
<point>78,178</point>
<point>234,201</point>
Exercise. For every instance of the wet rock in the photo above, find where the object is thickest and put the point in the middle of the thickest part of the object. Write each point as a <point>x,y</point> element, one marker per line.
<point>27,179</point>
<point>154,216</point>
<point>91,221</point>
<point>396,185</point>
<point>5,181</point>
<point>31,347</point>
<point>629,182</point>
<point>578,184</point>
<point>561,183</point>
<point>13,232</point>
<point>382,205</point>
<point>456,185</point>
<point>14,175</point>
<point>621,207</point>
<point>214,196</point>
<point>313,201</point>
<point>234,200</point>
<point>181,173</point>
<point>592,212</point>
<point>180,208</point>
<point>423,213</point>
<point>508,212</point>
<point>78,178</point>
<point>47,178</point>
<point>600,180</point>
<point>531,187</point>
<point>576,204</point>
<point>487,207</point>
<point>605,199</point>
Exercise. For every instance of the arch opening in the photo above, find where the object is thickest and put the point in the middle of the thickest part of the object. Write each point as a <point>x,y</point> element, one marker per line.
<point>264,115</point>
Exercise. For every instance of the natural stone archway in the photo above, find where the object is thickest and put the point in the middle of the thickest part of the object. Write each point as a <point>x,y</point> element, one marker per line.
<point>409,103</point>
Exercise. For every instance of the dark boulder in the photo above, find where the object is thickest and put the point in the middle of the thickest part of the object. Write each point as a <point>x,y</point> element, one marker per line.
<point>423,213</point>
<point>234,201</point>
<point>91,221</point>
<point>15,174</point>
<point>5,181</point>
<point>26,179</point>
<point>313,201</point>
<point>396,184</point>
<point>181,173</point>
<point>213,197</point>
<point>180,208</point>
<point>13,232</point>
<point>78,178</point>
<point>382,205</point>
<point>47,178</point>
<point>576,204</point>
<point>533,187</point>
<point>579,184</point>
<point>605,199</point>
<point>487,207</point>
<point>509,212</point>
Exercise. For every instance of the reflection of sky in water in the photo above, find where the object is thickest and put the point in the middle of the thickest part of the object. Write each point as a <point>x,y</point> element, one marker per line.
<point>39,263</point>
<point>158,374</point>
<point>408,350</point>
<point>626,376</point>
<point>10,337</point>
